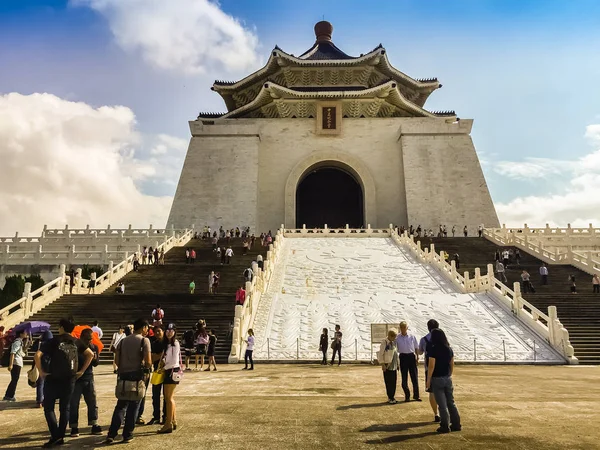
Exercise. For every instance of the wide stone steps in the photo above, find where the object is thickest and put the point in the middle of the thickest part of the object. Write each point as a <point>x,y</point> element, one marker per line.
<point>579,313</point>
<point>168,286</point>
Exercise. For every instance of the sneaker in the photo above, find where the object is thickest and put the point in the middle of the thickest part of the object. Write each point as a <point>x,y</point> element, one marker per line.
<point>153,421</point>
<point>96,430</point>
<point>127,440</point>
<point>417,399</point>
<point>9,399</point>
<point>458,428</point>
<point>437,419</point>
<point>74,432</point>
<point>251,368</point>
<point>108,441</point>
<point>443,430</point>
<point>207,370</point>
<point>140,421</point>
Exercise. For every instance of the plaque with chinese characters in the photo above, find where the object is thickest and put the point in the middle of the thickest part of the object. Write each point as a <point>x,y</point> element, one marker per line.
<point>329,117</point>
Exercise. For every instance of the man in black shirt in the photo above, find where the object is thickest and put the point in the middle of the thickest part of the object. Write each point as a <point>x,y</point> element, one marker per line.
<point>84,386</point>
<point>62,351</point>
<point>336,345</point>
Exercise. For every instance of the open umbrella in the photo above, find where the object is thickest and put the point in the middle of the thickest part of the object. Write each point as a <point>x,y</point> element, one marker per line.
<point>32,327</point>
<point>95,338</point>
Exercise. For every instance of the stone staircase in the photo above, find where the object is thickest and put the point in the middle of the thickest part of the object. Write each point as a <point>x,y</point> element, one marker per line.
<point>168,286</point>
<point>579,313</point>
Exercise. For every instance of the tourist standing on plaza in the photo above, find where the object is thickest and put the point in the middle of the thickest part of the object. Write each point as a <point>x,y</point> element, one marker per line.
<point>408,355</point>
<point>62,352</point>
<point>134,361</point>
<point>324,345</point>
<point>389,360</point>
<point>480,230</point>
<point>336,345</point>
<point>156,255</point>
<point>158,346</point>
<point>18,350</point>
<point>96,328</point>
<point>596,284</point>
<point>201,346</point>
<point>424,349</point>
<point>228,255</point>
<point>249,350</point>
<point>39,384</point>
<point>144,255</point>
<point>465,231</point>
<point>441,366</point>
<point>173,374</point>
<point>114,343</point>
<point>188,345</point>
<point>453,230</point>
<point>212,343</point>
<point>544,274</point>
<point>161,257</point>
<point>150,255</point>
<point>84,386</point>
<point>500,272</point>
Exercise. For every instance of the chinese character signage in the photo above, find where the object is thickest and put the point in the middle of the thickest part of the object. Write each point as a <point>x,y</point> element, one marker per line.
<point>329,117</point>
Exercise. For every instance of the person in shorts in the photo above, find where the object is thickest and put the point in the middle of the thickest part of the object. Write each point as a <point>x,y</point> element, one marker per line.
<point>188,346</point>
<point>212,343</point>
<point>201,346</point>
<point>424,349</point>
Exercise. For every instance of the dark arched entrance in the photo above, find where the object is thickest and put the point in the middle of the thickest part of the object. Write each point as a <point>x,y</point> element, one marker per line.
<point>329,195</point>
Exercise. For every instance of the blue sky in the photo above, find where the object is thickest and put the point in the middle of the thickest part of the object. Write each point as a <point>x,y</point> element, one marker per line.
<point>525,71</point>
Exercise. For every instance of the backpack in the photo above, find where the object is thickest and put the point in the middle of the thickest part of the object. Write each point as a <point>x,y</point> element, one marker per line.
<point>64,362</point>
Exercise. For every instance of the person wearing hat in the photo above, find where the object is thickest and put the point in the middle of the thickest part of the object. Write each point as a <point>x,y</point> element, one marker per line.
<point>172,359</point>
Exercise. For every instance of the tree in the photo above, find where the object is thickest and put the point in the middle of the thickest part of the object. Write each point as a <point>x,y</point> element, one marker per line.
<point>36,281</point>
<point>13,290</point>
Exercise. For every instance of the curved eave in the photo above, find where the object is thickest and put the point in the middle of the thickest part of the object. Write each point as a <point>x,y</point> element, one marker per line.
<point>394,73</point>
<point>223,87</point>
<point>389,91</point>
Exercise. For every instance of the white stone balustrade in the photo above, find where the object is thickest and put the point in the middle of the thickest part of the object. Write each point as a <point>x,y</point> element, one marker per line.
<point>79,246</point>
<point>585,260</point>
<point>245,314</point>
<point>32,302</point>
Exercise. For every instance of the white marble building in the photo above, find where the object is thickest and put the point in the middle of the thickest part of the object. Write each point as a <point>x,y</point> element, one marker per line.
<point>328,138</point>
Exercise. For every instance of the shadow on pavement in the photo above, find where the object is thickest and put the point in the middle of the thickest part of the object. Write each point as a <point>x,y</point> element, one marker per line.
<point>363,405</point>
<point>392,427</point>
<point>401,438</point>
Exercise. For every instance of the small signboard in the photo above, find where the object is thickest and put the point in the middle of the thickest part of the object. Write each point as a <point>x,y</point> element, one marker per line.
<point>329,117</point>
<point>379,331</point>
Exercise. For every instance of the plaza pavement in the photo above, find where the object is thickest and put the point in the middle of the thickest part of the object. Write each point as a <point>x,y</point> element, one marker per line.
<point>315,407</point>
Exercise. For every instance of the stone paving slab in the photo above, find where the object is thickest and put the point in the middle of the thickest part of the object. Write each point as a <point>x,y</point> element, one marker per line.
<point>313,407</point>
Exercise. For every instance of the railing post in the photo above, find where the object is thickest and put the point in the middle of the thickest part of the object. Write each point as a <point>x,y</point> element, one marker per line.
<point>110,272</point>
<point>297,349</point>
<point>517,299</point>
<point>477,279</point>
<point>28,299</point>
<point>268,349</point>
<point>62,269</point>
<point>552,328</point>
<point>467,281</point>
<point>534,352</point>
<point>474,349</point>
<point>504,349</point>
<point>355,349</point>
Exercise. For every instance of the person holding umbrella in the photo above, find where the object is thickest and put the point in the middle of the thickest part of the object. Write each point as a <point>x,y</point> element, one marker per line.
<point>18,350</point>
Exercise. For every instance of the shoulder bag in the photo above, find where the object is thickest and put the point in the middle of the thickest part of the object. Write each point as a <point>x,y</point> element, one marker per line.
<point>177,376</point>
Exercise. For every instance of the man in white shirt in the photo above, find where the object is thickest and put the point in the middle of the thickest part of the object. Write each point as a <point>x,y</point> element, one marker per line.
<point>408,353</point>
<point>97,329</point>
<point>544,273</point>
<point>500,271</point>
<point>228,255</point>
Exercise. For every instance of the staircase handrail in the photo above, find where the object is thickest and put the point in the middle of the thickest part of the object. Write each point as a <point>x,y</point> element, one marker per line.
<point>245,314</point>
<point>546,325</point>
<point>585,260</point>
<point>334,232</point>
<point>525,230</point>
<point>32,302</point>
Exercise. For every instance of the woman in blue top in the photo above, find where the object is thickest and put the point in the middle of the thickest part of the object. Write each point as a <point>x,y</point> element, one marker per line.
<point>441,366</point>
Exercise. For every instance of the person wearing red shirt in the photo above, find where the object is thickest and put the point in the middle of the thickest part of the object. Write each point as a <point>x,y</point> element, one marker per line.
<point>240,296</point>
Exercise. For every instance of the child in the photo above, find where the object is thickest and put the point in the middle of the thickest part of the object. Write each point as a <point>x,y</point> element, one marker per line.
<point>249,349</point>
<point>212,342</point>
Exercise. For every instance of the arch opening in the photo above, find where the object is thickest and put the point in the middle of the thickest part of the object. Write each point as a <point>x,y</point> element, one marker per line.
<point>329,194</point>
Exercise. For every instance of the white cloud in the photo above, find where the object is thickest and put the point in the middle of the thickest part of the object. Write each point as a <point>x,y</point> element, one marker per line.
<point>531,169</point>
<point>65,162</point>
<point>187,36</point>
<point>578,203</point>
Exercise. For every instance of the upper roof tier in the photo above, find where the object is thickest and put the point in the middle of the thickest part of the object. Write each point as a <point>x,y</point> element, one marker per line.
<point>325,66</point>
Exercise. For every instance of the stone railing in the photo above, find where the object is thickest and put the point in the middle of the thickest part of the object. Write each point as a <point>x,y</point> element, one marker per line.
<point>336,232</point>
<point>80,246</point>
<point>32,302</point>
<point>245,314</point>
<point>546,325</point>
<point>585,260</point>
<point>549,231</point>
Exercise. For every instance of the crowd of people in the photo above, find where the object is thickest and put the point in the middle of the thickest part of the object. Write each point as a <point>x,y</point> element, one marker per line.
<point>399,352</point>
<point>419,231</point>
